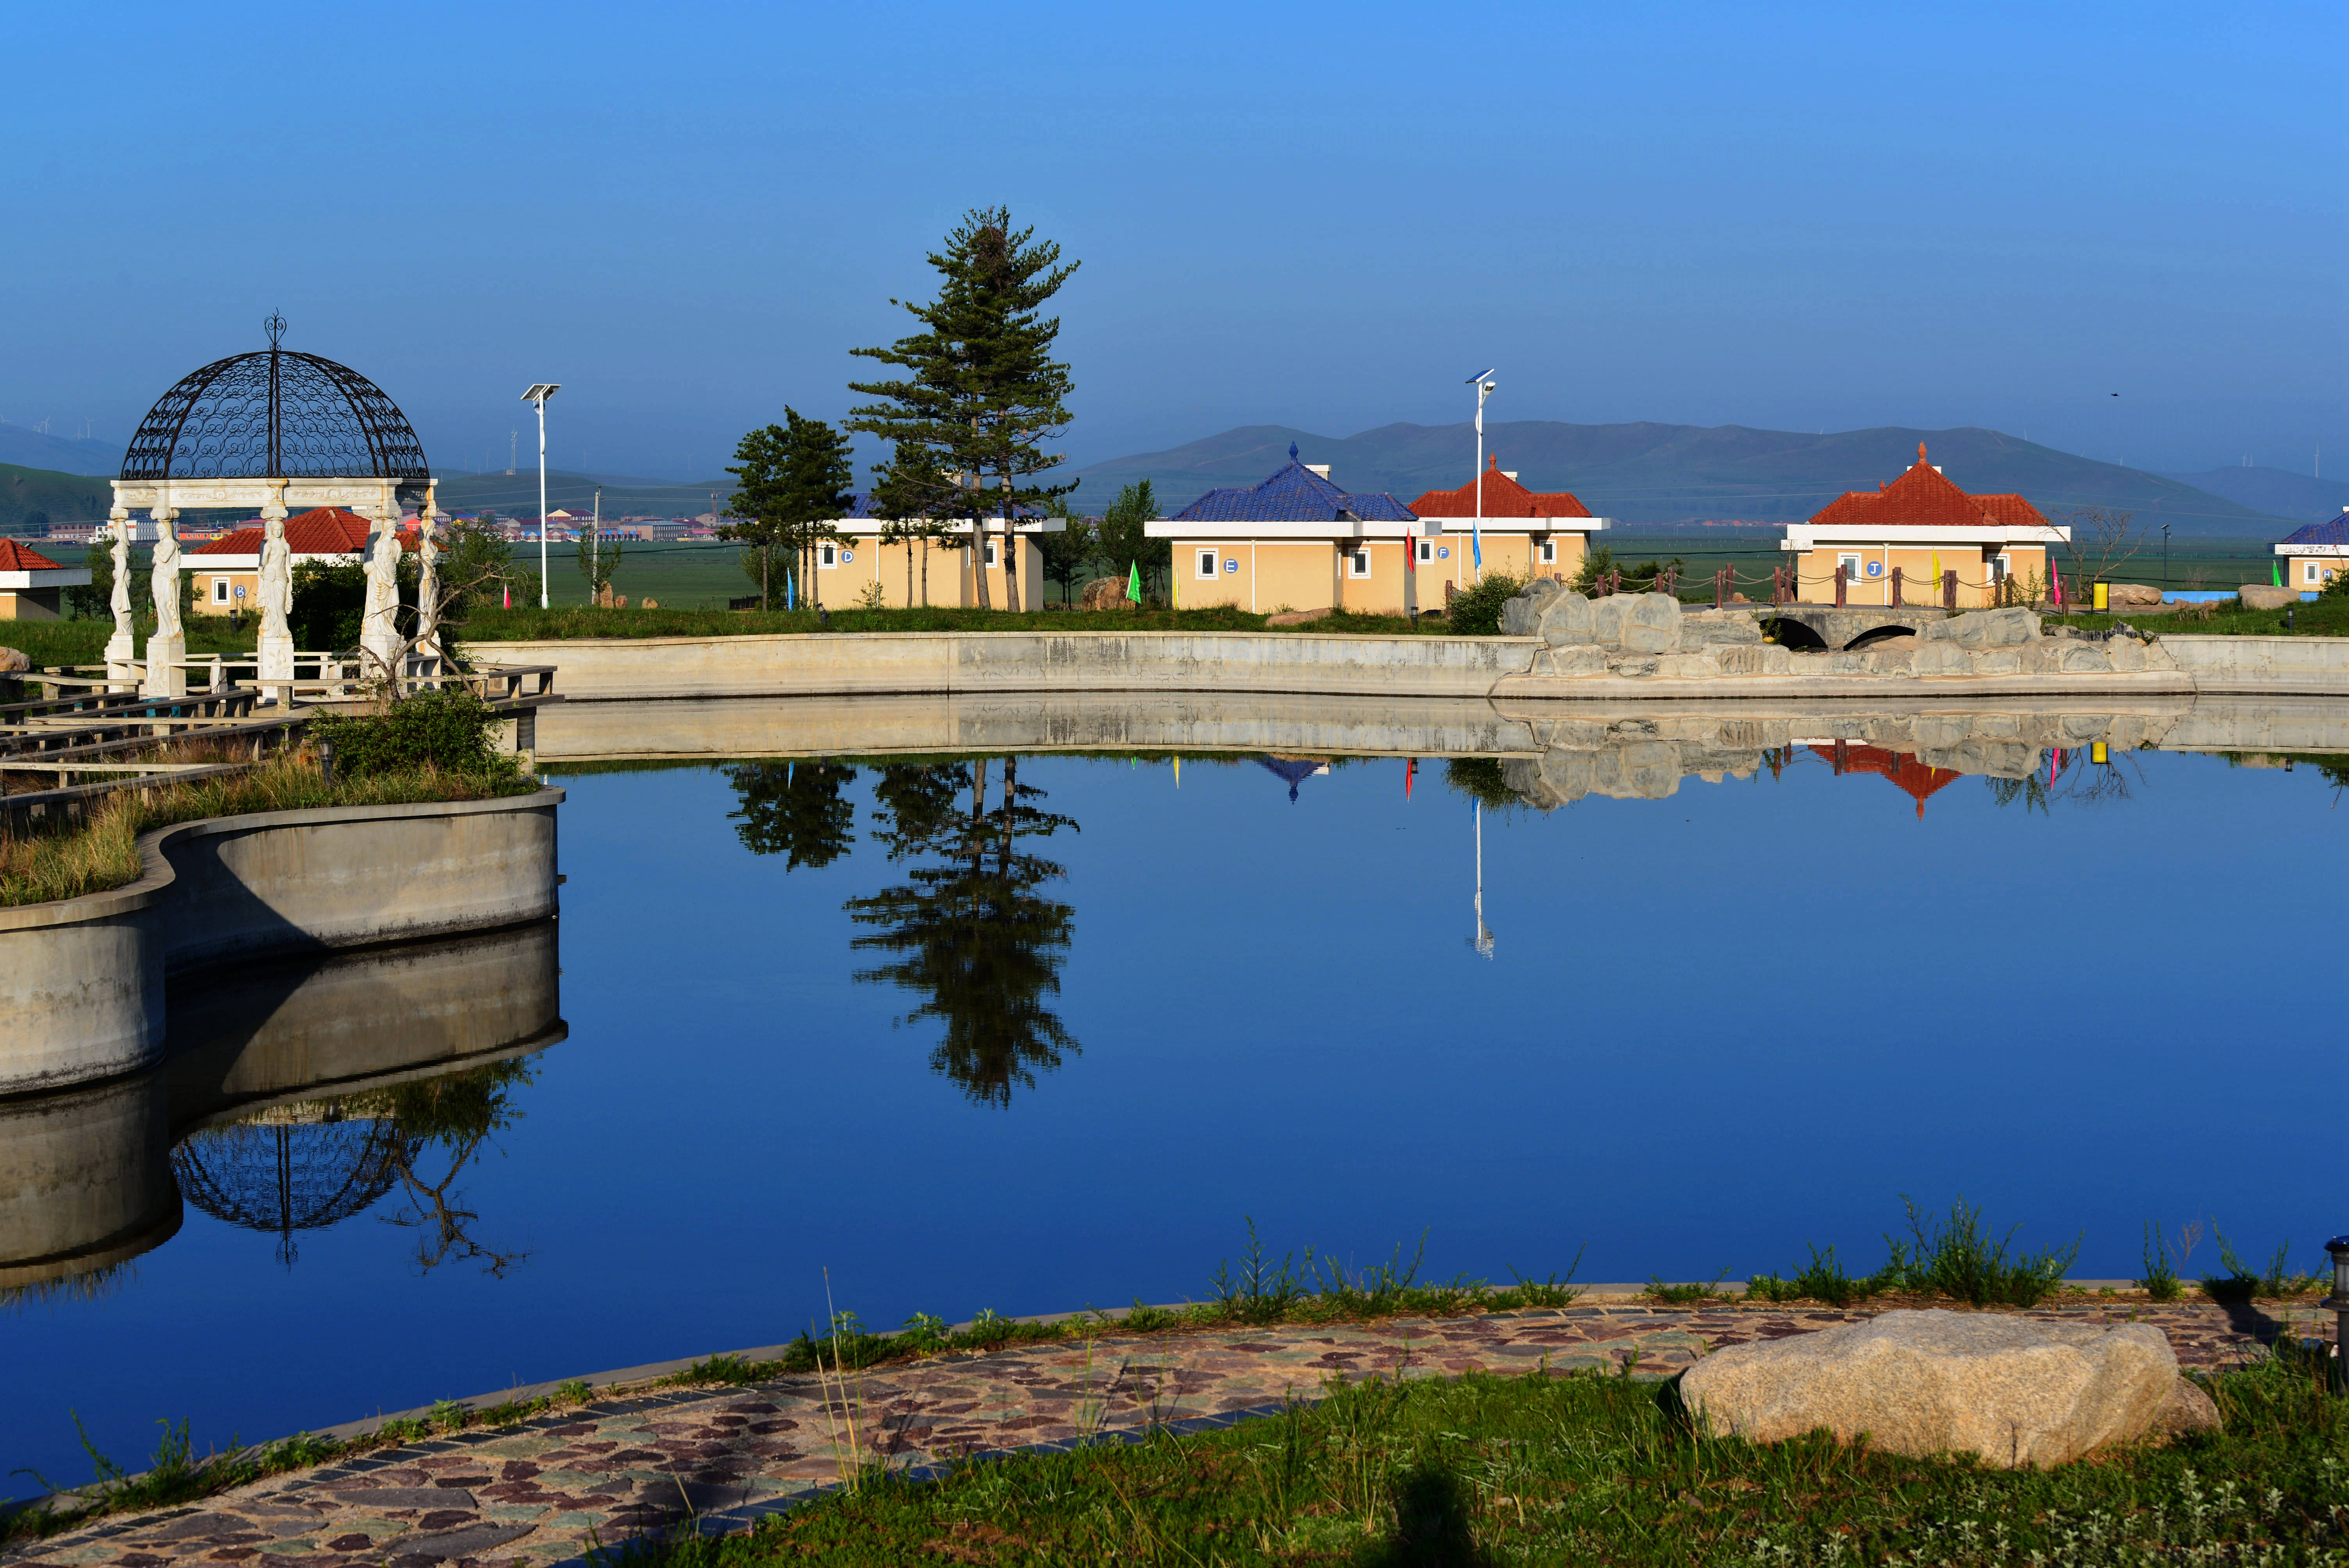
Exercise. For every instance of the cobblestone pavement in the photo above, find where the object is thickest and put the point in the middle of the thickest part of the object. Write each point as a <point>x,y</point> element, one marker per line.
<point>543,1492</point>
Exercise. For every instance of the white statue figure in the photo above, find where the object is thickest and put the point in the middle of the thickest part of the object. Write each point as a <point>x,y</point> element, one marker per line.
<point>427,588</point>
<point>122,647</point>
<point>378,628</point>
<point>169,644</point>
<point>164,580</point>
<point>276,601</point>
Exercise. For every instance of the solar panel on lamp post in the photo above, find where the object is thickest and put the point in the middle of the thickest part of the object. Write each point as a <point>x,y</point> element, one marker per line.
<point>1484,385</point>
<point>539,393</point>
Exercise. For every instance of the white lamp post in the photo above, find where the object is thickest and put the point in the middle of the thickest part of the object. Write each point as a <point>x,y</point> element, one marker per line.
<point>539,393</point>
<point>1484,384</point>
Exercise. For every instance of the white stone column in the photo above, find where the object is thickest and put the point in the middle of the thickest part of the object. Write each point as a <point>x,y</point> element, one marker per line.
<point>122,648</point>
<point>428,585</point>
<point>378,623</point>
<point>276,645</point>
<point>169,646</point>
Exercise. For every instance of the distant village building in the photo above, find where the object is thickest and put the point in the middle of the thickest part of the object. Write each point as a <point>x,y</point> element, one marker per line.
<point>31,586</point>
<point>1527,533</point>
<point>1294,542</point>
<point>2314,554</point>
<point>1922,525</point>
<point>226,572</point>
<point>847,565</point>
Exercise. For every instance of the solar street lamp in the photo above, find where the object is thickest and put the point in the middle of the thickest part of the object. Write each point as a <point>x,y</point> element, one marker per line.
<point>539,393</point>
<point>1484,385</point>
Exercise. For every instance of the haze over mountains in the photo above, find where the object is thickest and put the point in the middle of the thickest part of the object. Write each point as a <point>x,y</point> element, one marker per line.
<point>1668,475</point>
<point>1654,476</point>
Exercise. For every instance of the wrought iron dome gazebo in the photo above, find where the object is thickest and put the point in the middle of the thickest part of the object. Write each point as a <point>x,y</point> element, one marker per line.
<point>275,414</point>
<point>285,1175</point>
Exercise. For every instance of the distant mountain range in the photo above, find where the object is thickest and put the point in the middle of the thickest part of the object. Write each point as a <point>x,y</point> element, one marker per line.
<point>33,499</point>
<point>1676,476</point>
<point>2278,491</point>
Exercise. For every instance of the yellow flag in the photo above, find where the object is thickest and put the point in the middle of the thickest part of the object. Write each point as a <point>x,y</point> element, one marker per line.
<point>1936,572</point>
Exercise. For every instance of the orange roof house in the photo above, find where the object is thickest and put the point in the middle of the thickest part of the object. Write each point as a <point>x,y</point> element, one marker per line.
<point>1526,532</point>
<point>1926,530</point>
<point>31,586</point>
<point>1912,777</point>
<point>227,571</point>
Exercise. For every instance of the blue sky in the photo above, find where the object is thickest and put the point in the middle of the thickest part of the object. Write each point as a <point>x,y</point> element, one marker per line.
<point>1799,216</point>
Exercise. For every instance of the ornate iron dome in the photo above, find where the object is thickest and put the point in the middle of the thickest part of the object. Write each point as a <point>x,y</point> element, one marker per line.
<point>275,414</point>
<point>304,1176</point>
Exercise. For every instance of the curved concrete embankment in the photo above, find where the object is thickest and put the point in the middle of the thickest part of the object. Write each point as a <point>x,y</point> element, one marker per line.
<point>82,980</point>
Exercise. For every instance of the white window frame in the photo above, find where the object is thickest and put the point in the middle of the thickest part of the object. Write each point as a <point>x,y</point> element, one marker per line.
<point>2309,572</point>
<point>1549,552</point>
<point>993,553</point>
<point>1209,564</point>
<point>1426,548</point>
<point>827,555</point>
<point>1850,563</point>
<point>2001,569</point>
<point>220,590</point>
<point>1358,563</point>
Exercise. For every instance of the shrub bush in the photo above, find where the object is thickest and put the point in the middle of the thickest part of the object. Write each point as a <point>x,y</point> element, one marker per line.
<point>449,730</point>
<point>1476,612</point>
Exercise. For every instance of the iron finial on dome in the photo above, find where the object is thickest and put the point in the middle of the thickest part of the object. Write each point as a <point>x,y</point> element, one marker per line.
<point>1292,451</point>
<point>276,327</point>
<point>1920,452</point>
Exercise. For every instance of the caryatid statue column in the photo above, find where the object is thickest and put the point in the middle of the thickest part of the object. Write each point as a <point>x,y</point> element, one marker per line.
<point>379,621</point>
<point>122,648</point>
<point>428,582</point>
<point>276,590</point>
<point>169,644</point>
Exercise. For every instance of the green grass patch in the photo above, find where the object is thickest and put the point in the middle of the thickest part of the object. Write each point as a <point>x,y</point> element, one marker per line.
<point>2325,616</point>
<point>1537,1469</point>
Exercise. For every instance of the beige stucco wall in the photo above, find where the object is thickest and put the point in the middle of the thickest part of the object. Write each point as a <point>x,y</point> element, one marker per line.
<point>248,581</point>
<point>1313,575</point>
<point>1970,561</point>
<point>953,583</point>
<point>81,980</point>
<point>32,603</point>
<point>2310,574</point>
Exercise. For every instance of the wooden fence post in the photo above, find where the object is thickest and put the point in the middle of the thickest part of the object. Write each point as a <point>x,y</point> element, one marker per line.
<point>1896,588</point>
<point>1843,579</point>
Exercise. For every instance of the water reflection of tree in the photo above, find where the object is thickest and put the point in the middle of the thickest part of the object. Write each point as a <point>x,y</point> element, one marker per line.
<point>800,810</point>
<point>970,928</point>
<point>2074,779</point>
<point>447,1122</point>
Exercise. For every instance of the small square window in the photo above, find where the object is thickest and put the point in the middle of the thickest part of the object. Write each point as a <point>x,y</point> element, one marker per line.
<point>1358,563</point>
<point>1549,552</point>
<point>2309,576</point>
<point>1850,565</point>
<point>220,590</point>
<point>1426,550</point>
<point>827,555</point>
<point>1207,564</point>
<point>1998,568</point>
<point>991,549</point>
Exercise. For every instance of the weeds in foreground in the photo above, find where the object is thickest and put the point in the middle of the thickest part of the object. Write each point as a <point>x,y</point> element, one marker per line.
<point>1956,1259</point>
<point>176,1474</point>
<point>1680,1295</point>
<point>2160,1281</point>
<point>1587,1469</point>
<point>2241,1281</point>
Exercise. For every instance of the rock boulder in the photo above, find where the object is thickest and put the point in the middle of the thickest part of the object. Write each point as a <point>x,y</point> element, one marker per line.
<point>2260,596</point>
<point>1985,629</point>
<point>2128,593</point>
<point>14,661</point>
<point>1566,620</point>
<point>1104,593</point>
<point>2011,1390</point>
<point>1521,615</point>
<point>1651,623</point>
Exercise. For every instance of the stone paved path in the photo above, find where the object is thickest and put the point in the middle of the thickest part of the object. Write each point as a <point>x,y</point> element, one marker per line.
<point>536,1493</point>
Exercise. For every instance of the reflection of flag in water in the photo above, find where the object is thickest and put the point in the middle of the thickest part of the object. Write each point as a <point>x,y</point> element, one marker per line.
<point>1410,771</point>
<point>2055,762</point>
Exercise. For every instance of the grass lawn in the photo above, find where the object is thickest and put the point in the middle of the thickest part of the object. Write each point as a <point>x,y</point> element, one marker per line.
<point>1588,1469</point>
<point>52,643</point>
<point>2319,617</point>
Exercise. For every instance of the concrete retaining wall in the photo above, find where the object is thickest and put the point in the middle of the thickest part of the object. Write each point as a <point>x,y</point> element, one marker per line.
<point>2303,667</point>
<point>873,664</point>
<point>82,980</point>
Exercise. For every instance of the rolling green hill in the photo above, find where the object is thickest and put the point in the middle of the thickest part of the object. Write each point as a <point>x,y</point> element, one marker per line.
<point>2302,497</point>
<point>33,499</point>
<point>516,494</point>
<point>1666,476</point>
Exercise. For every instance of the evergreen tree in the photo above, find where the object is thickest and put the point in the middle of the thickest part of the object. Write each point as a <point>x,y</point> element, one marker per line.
<point>1069,551</point>
<point>982,391</point>
<point>914,500</point>
<point>792,482</point>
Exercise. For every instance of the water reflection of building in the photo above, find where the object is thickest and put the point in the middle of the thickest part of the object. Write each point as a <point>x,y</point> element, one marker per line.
<point>1916,779</point>
<point>1296,771</point>
<point>291,1091</point>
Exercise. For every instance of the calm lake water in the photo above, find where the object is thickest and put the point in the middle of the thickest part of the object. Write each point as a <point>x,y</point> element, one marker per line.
<point>817,1021</point>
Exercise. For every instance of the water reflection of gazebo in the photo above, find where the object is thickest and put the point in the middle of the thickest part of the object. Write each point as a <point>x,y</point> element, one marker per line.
<point>1295,770</point>
<point>299,1170</point>
<point>1907,774</point>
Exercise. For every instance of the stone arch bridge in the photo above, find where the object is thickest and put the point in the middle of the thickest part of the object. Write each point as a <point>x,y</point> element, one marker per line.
<point>1855,626</point>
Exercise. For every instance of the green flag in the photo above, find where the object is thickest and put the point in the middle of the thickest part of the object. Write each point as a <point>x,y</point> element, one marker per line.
<point>1133,581</point>
<point>2275,573</point>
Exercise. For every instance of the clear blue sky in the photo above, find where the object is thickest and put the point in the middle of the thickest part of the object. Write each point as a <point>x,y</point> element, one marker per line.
<point>1799,216</point>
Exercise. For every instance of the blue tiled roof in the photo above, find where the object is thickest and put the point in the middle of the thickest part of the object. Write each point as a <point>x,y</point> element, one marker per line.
<point>860,509</point>
<point>2331,531</point>
<point>1295,494</point>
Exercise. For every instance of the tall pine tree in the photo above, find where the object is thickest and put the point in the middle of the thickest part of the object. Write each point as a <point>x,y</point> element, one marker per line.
<point>791,483</point>
<point>981,389</point>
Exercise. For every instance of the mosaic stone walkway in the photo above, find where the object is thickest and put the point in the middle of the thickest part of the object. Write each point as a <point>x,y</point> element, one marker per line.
<point>544,1492</point>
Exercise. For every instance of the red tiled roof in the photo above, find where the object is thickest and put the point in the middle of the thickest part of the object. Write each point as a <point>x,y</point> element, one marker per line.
<point>16,557</point>
<point>328,531</point>
<point>1922,497</point>
<point>1504,497</point>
